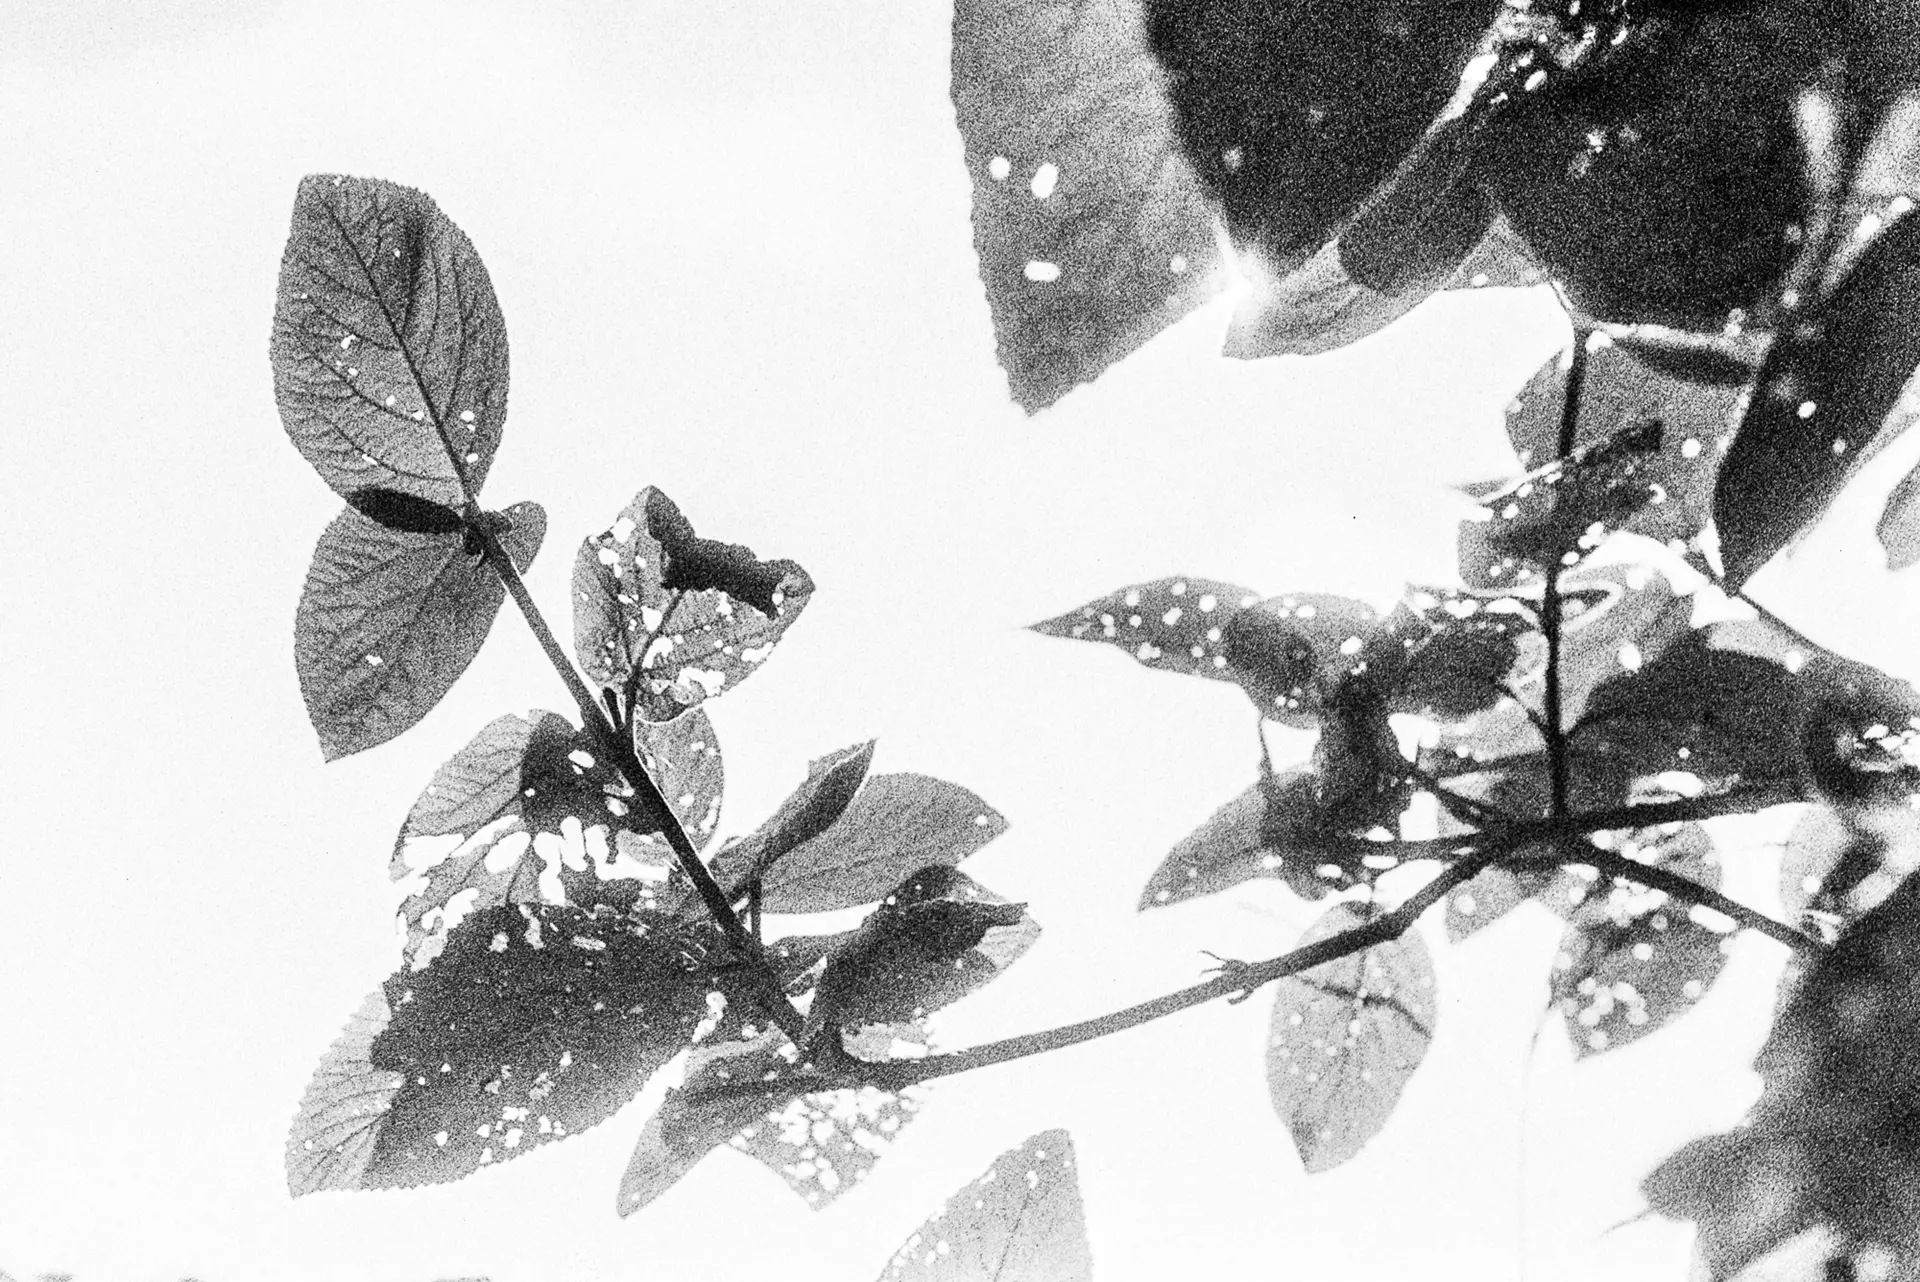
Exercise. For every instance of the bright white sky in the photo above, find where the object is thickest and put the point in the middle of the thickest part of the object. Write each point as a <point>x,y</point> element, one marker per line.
<point>731,241</point>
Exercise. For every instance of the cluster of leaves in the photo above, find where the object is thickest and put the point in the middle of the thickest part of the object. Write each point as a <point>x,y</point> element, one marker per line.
<point>560,947</point>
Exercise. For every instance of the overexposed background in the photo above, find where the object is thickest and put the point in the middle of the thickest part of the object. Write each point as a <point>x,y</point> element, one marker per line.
<point>731,241</point>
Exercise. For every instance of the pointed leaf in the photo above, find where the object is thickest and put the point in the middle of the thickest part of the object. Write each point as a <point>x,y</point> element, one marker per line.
<point>1290,652</point>
<point>1346,1036</point>
<point>810,810</point>
<point>389,351</point>
<point>1632,959</point>
<point>896,823</point>
<point>1899,527</point>
<point>405,512</point>
<point>1092,233</point>
<point>1172,624</point>
<point>388,622</point>
<point>1822,396</point>
<point>1228,849</point>
<point>1558,513</point>
<point>936,938</point>
<point>1020,1222</point>
<point>670,618</point>
<point>535,1023</point>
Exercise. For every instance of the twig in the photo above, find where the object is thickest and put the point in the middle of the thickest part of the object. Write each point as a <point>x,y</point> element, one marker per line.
<point>1684,889</point>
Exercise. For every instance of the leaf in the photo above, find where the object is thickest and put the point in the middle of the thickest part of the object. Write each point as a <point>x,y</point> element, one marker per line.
<point>1092,233</point>
<point>1345,1038</point>
<point>1446,654</point>
<point>1289,652</point>
<point>683,756</point>
<point>1633,960</point>
<point>535,1023</point>
<point>671,619</point>
<point>1616,619</point>
<point>810,810</point>
<point>1558,513</point>
<point>1745,1190</point>
<point>1020,1222</point>
<point>1491,895</point>
<point>1899,527</point>
<point>405,512</point>
<point>388,622</point>
<point>821,1143</point>
<point>896,824</point>
<point>1171,624</point>
<point>1712,713</point>
<point>389,351</point>
<point>1226,850</point>
<point>1822,396</point>
<point>936,938</point>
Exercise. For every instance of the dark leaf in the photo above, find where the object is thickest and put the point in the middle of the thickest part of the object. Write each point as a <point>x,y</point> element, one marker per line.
<point>535,1023</point>
<point>1290,652</point>
<point>1092,234</point>
<point>1173,624</point>
<point>1746,1191</point>
<point>1706,360</point>
<point>1446,654</point>
<point>1346,1036</point>
<point>936,938</point>
<point>812,808</point>
<point>895,824</point>
<point>1822,396</point>
<point>1899,527</point>
<point>406,513</point>
<point>1558,513</point>
<point>1616,619</point>
<point>388,622</point>
<point>670,618</point>
<point>1632,959</point>
<point>389,351</point>
<point>1020,1222</point>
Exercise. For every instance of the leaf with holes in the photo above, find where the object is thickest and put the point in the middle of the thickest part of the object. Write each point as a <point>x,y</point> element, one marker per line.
<point>1173,624</point>
<point>669,618</point>
<point>1821,398</point>
<point>389,351</point>
<point>535,1023</point>
<point>1289,652</point>
<point>895,824</point>
<point>683,756</point>
<point>1633,960</point>
<point>1021,1220</point>
<point>1345,1038</point>
<point>810,810</point>
<point>936,938</point>
<point>1092,233</point>
<point>388,622</point>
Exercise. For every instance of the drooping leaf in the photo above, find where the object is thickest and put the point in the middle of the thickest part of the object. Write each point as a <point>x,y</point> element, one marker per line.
<point>670,618</point>
<point>1174,624</point>
<point>936,938</point>
<point>389,351</point>
<point>895,824</point>
<point>1899,527</point>
<point>810,810</point>
<point>1290,652</point>
<point>404,512</point>
<point>1822,396</point>
<point>1091,230</point>
<point>1020,1222</point>
<point>1633,959</point>
<point>533,1024</point>
<point>694,1120</point>
<point>1345,1038</point>
<point>388,622</point>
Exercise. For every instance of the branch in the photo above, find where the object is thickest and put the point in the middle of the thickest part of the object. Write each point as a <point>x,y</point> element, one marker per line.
<point>619,749</point>
<point>1686,890</point>
<point>1554,726</point>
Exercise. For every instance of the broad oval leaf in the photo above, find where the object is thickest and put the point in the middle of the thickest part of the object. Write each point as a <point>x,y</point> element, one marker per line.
<point>1491,895</point>
<point>388,622</point>
<point>895,824</point>
<point>669,618</point>
<point>1632,959</point>
<point>1821,398</point>
<point>389,351</point>
<point>535,1023</point>
<point>1345,1038</point>
<point>1091,230</point>
<point>810,810</point>
<point>1021,1221</point>
<point>1173,624</point>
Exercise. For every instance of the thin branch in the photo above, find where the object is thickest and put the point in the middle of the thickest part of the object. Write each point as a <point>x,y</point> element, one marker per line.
<point>619,749</point>
<point>1555,728</point>
<point>1685,889</point>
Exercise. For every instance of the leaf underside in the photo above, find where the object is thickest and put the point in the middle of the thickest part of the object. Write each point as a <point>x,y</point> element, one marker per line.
<point>1021,1220</point>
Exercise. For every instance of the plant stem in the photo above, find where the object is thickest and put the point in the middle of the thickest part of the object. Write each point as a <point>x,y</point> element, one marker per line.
<point>1686,890</point>
<point>1554,727</point>
<point>619,749</point>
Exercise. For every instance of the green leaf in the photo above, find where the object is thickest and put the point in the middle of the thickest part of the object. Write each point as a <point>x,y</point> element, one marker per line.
<point>1632,959</point>
<point>936,938</point>
<point>1345,1038</point>
<point>1290,652</point>
<point>670,618</point>
<point>683,756</point>
<point>1092,234</point>
<point>389,352</point>
<point>1821,398</point>
<point>388,622</point>
<point>810,810</point>
<point>896,823</point>
<point>535,1023</point>
<point>1173,624</point>
<point>1021,1220</point>
<point>405,512</point>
